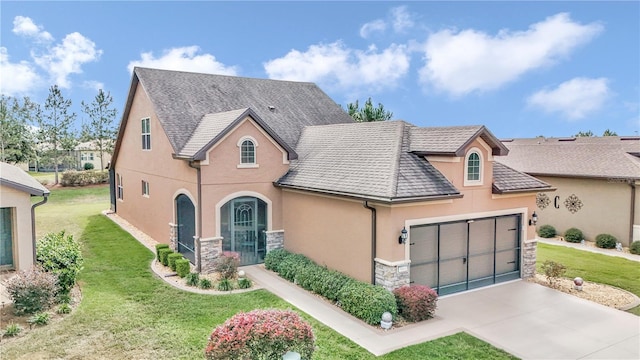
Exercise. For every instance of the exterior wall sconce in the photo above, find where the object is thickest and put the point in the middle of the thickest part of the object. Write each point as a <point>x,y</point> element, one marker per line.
<point>534,219</point>
<point>403,236</point>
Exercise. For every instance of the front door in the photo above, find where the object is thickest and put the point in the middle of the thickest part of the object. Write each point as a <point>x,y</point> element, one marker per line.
<point>243,229</point>
<point>6,238</point>
<point>186,221</point>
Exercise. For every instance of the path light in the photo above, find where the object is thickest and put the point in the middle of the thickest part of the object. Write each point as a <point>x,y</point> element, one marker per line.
<point>241,273</point>
<point>403,236</point>
<point>577,283</point>
<point>386,321</point>
<point>291,355</point>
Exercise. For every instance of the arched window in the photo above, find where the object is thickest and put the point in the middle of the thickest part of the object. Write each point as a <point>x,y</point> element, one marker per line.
<point>473,168</point>
<point>247,146</point>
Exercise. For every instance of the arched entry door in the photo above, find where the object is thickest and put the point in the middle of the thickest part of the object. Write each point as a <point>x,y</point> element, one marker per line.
<point>186,221</point>
<point>243,225</point>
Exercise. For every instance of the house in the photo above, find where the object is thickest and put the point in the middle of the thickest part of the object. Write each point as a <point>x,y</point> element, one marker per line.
<point>17,217</point>
<point>212,163</point>
<point>596,180</point>
<point>88,152</point>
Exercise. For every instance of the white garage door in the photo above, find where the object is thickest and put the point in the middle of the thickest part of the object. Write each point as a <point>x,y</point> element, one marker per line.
<point>462,255</point>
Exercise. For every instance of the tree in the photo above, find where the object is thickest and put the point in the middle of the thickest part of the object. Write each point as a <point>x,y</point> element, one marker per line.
<point>101,128</point>
<point>55,131</point>
<point>609,133</point>
<point>588,133</point>
<point>368,112</point>
<point>16,139</point>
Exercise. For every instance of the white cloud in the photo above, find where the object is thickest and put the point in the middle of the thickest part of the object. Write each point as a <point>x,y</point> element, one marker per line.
<point>466,61</point>
<point>575,98</point>
<point>374,26</point>
<point>402,19</point>
<point>183,59</point>
<point>94,85</point>
<point>334,65</point>
<point>24,26</point>
<point>16,78</point>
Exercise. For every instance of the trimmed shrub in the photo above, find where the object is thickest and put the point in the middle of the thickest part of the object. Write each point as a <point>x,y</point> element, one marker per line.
<point>88,166</point>
<point>606,241</point>
<point>331,283</point>
<point>60,255</point>
<point>171,260</point>
<point>416,302</point>
<point>261,334</point>
<point>292,264</point>
<point>164,256</point>
<point>192,279</point>
<point>158,247</point>
<point>82,178</point>
<point>273,259</point>
<point>573,235</point>
<point>547,231</point>
<point>32,291</point>
<point>553,271</point>
<point>205,284</point>
<point>635,248</point>
<point>244,283</point>
<point>227,265</point>
<point>183,267</point>
<point>367,302</point>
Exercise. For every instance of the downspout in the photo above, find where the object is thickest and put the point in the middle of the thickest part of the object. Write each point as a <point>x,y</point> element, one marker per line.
<point>33,224</point>
<point>196,166</point>
<point>373,241</point>
<point>632,213</point>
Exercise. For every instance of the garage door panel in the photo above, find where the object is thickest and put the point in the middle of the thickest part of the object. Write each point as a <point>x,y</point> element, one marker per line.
<point>507,261</point>
<point>480,266</point>
<point>507,232</point>
<point>453,240</point>
<point>481,236</point>
<point>425,274</point>
<point>424,240</point>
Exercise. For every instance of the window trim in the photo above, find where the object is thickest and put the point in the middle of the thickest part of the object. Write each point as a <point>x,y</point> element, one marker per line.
<point>247,165</point>
<point>472,182</point>
<point>146,136</point>
<point>145,188</point>
<point>119,188</point>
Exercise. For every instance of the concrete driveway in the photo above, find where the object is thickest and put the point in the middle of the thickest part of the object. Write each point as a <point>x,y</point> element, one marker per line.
<point>525,319</point>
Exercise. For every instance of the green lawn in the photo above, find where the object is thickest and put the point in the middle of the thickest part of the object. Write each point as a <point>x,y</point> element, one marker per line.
<point>610,270</point>
<point>128,313</point>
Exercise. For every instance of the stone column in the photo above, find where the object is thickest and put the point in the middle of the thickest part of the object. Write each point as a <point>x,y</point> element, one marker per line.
<point>207,251</point>
<point>173,236</point>
<point>392,275</point>
<point>275,240</point>
<point>529,258</point>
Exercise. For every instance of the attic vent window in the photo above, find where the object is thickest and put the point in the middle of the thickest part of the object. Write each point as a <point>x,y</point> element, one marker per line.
<point>473,168</point>
<point>247,146</point>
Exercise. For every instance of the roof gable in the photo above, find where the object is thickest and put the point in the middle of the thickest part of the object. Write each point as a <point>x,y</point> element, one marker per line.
<point>14,177</point>
<point>452,140</point>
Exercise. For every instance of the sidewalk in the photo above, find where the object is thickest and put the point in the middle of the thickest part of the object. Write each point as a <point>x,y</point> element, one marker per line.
<point>597,250</point>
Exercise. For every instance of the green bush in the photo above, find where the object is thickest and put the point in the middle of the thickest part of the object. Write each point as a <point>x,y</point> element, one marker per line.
<point>367,302</point>
<point>158,247</point>
<point>635,248</point>
<point>205,284</point>
<point>40,319</point>
<point>273,259</point>
<point>171,260</point>
<point>82,178</point>
<point>331,283</point>
<point>32,290</point>
<point>64,309</point>
<point>553,271</point>
<point>60,255</point>
<point>12,329</point>
<point>88,166</point>
<point>183,267</point>
<point>292,264</point>
<point>227,265</point>
<point>225,285</point>
<point>164,256</point>
<point>606,241</point>
<point>192,279</point>
<point>573,235</point>
<point>244,283</point>
<point>547,231</point>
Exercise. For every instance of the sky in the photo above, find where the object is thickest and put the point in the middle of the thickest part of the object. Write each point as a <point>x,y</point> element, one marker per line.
<point>522,69</point>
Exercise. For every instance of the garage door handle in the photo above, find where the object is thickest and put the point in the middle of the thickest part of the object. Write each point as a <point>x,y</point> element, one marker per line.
<point>464,260</point>
<point>514,229</point>
<point>412,243</point>
<point>511,262</point>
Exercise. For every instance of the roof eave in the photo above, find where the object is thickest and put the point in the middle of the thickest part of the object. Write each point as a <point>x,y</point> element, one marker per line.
<point>24,188</point>
<point>497,191</point>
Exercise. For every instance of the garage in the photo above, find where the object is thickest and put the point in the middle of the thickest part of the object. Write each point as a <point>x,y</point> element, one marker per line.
<point>461,255</point>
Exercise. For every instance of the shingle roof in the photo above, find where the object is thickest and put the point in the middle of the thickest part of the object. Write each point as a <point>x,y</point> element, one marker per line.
<point>452,140</point>
<point>602,157</point>
<point>14,177</point>
<point>182,99</point>
<point>508,180</point>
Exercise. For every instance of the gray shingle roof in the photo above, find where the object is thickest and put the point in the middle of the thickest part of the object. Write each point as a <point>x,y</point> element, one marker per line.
<point>14,177</point>
<point>452,140</point>
<point>602,157</point>
<point>508,180</point>
<point>181,99</point>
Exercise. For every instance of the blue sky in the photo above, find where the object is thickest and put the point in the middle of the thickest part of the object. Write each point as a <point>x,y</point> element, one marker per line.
<point>521,68</point>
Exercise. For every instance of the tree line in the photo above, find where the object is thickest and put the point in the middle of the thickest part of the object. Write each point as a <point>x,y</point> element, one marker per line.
<point>46,134</point>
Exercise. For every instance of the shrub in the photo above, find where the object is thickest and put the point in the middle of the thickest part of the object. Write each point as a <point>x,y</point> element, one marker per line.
<point>171,260</point>
<point>244,283</point>
<point>547,231</point>
<point>292,264</point>
<point>225,285</point>
<point>64,309</point>
<point>606,241</point>
<point>82,178</point>
<point>273,258</point>
<point>416,302</point>
<point>12,329</point>
<point>573,235</point>
<point>635,248</point>
<point>60,255</point>
<point>227,265</point>
<point>158,247</point>
<point>367,302</point>
<point>331,283</point>
<point>88,166</point>
<point>32,290</point>
<point>192,279</point>
<point>40,319</point>
<point>205,284</point>
<point>261,334</point>
<point>553,271</point>
<point>163,256</point>
<point>183,267</point>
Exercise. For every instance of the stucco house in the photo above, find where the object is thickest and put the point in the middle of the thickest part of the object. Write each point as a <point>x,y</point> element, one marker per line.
<point>17,217</point>
<point>210,163</point>
<point>596,180</point>
<point>88,152</point>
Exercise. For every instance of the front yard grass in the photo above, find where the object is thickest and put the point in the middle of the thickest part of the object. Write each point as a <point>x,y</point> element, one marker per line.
<point>603,269</point>
<point>127,313</point>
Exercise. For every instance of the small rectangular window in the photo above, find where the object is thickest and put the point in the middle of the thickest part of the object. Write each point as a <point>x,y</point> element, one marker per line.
<point>145,188</point>
<point>120,187</point>
<point>146,134</point>
<point>83,156</point>
<point>91,156</point>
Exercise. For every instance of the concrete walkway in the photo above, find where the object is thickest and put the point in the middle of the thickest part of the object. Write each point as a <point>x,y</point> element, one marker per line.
<point>525,319</point>
<point>609,252</point>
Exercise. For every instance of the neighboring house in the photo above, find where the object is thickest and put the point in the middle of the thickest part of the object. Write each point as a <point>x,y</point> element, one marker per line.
<point>17,222</point>
<point>597,181</point>
<point>89,152</point>
<point>212,163</point>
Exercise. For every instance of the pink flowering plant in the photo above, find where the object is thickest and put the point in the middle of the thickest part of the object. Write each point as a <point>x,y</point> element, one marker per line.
<point>261,334</point>
<point>416,302</point>
<point>227,265</point>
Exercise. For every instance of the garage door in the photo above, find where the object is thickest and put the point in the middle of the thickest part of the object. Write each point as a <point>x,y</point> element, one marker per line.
<point>457,256</point>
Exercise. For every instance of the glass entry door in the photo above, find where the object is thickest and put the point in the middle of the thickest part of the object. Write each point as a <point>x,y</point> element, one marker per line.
<point>243,226</point>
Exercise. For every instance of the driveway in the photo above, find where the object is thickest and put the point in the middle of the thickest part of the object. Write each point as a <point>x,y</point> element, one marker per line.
<point>525,319</point>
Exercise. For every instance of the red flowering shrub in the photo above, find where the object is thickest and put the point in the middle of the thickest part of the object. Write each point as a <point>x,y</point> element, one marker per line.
<point>416,302</point>
<point>227,265</point>
<point>261,334</point>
